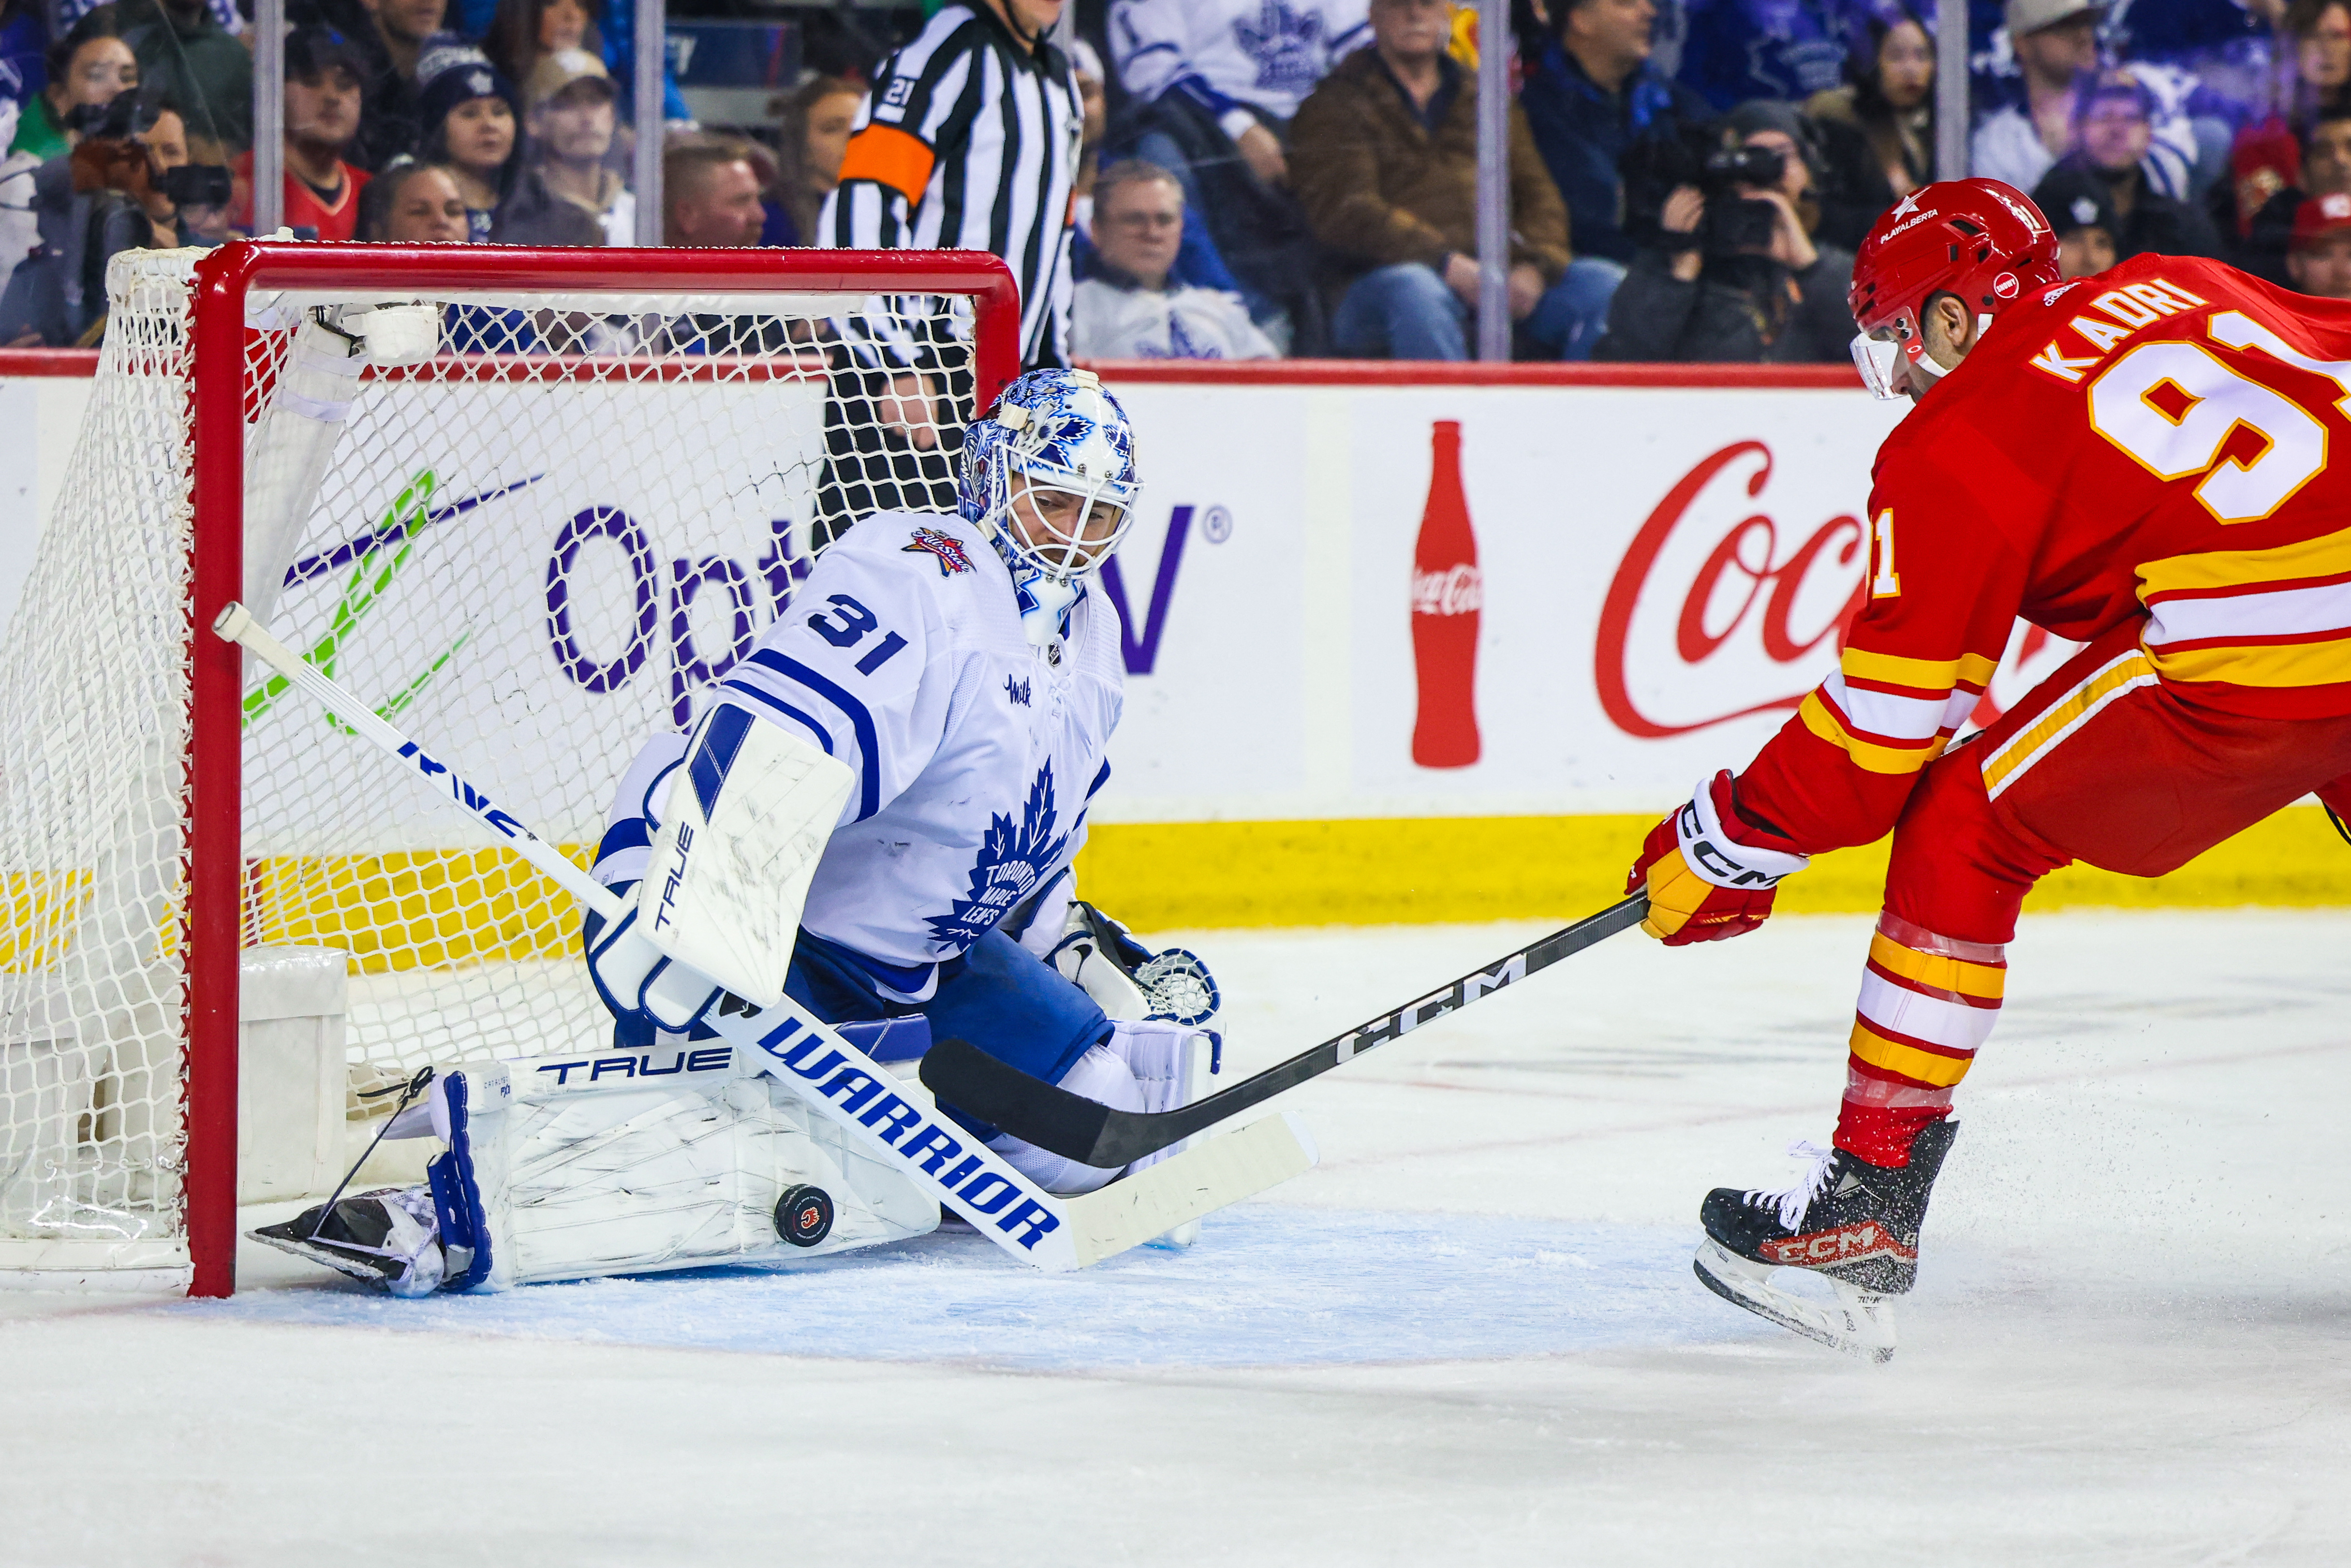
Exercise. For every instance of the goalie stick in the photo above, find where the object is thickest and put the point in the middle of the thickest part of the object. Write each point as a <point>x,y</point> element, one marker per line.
<point>843,1084</point>
<point>1095,1135</point>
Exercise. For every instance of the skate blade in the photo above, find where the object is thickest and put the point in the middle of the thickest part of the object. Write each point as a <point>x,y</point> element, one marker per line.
<point>285,1237</point>
<point>1857,1322</point>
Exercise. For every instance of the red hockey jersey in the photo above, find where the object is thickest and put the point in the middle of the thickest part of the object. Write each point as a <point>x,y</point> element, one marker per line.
<point>2150,443</point>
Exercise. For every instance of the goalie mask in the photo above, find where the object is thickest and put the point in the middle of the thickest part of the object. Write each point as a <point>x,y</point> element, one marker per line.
<point>1057,447</point>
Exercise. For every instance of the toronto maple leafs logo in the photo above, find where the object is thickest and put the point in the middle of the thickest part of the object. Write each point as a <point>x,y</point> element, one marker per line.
<point>1181,344</point>
<point>1287,46</point>
<point>945,548</point>
<point>1013,859</point>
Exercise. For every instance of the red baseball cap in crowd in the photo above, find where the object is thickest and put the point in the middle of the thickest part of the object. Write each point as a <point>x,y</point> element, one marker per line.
<point>2320,215</point>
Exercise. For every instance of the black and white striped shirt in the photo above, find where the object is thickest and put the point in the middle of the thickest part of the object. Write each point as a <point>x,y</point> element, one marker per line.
<point>970,141</point>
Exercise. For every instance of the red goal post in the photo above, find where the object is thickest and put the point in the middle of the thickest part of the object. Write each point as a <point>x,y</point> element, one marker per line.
<point>228,371</point>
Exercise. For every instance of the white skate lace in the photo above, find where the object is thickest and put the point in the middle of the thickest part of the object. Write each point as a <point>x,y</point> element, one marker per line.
<point>1792,1201</point>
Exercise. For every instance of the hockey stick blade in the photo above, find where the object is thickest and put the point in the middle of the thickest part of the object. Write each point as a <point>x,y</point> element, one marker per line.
<point>960,1074</point>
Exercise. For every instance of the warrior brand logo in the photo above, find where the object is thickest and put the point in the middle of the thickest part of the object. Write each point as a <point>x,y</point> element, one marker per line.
<point>676,877</point>
<point>943,546</point>
<point>915,1137</point>
<point>709,1059</point>
<point>1457,591</point>
<point>464,794</point>
<point>1435,1005</point>
<point>1846,1244</point>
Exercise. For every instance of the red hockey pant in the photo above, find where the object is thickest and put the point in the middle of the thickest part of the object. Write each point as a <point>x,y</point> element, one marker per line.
<point>2100,763</point>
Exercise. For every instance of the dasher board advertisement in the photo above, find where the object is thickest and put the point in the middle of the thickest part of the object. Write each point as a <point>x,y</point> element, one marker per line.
<point>1416,600</point>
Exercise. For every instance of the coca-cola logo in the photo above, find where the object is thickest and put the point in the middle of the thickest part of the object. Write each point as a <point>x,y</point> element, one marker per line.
<point>1717,611</point>
<point>1456,590</point>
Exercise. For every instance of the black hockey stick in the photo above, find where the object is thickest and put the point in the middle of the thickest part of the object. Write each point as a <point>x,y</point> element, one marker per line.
<point>1093,1134</point>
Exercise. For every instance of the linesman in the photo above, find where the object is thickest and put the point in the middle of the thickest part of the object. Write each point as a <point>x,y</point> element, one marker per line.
<point>970,143</point>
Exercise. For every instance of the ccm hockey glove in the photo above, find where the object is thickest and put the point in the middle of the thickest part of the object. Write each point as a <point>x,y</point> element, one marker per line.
<point>1710,873</point>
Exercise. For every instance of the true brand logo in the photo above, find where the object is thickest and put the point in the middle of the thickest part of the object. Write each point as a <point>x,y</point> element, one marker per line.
<point>464,794</point>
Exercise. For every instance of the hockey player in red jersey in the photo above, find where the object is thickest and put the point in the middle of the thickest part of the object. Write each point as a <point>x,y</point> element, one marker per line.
<point>2138,461</point>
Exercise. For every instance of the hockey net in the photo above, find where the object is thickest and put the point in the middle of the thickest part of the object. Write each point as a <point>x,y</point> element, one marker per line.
<point>531,549</point>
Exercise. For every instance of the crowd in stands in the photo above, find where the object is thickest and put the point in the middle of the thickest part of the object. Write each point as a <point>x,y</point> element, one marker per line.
<point>1689,179</point>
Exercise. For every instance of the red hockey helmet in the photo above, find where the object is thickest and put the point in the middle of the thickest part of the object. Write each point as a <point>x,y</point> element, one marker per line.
<point>1980,239</point>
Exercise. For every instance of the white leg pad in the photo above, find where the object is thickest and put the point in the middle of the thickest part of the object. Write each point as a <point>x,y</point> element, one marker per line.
<point>569,1168</point>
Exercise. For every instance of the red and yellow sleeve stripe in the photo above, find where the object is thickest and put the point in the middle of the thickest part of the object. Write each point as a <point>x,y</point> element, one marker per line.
<point>1891,714</point>
<point>2276,619</point>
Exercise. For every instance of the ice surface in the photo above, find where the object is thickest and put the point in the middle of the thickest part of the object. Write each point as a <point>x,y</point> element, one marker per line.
<point>1471,1336</point>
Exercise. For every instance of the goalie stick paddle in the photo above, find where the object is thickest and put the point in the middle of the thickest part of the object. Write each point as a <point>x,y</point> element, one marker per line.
<point>1093,1133</point>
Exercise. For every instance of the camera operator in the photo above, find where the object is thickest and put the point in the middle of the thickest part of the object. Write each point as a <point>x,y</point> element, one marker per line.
<point>1731,270</point>
<point>127,184</point>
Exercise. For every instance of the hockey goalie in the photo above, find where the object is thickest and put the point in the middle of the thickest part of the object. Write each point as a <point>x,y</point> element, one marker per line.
<point>2137,461</point>
<point>877,817</point>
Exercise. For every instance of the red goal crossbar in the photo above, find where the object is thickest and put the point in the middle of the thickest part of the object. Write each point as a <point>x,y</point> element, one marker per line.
<point>223,281</point>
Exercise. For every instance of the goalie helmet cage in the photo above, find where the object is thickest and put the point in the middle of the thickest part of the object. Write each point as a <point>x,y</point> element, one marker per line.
<point>538,543</point>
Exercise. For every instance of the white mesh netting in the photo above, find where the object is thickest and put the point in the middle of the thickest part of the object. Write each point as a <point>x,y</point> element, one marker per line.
<point>530,552</point>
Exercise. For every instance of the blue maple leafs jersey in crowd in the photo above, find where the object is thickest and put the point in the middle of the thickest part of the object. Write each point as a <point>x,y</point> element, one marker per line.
<point>975,754</point>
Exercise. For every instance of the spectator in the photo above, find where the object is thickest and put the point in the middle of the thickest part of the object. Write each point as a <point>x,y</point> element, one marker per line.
<point>2324,170</point>
<point>467,109</point>
<point>107,196</point>
<point>415,204</point>
<point>323,73</point>
<point>2081,208</point>
<point>812,137</point>
<point>1876,133</point>
<point>1738,276</point>
<point>2319,33</point>
<point>2226,45</point>
<point>524,32</point>
<point>710,195</point>
<point>2114,122</point>
<point>87,68</point>
<point>1131,309</point>
<point>24,56</point>
<point>392,121</point>
<point>1384,153</point>
<point>1215,85</point>
<point>198,63</point>
<point>2057,47</point>
<point>1735,50</point>
<point>1591,95</point>
<point>2319,260</point>
<point>572,117</point>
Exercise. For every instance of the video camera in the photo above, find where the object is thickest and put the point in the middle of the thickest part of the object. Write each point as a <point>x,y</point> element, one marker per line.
<point>1655,165</point>
<point>130,115</point>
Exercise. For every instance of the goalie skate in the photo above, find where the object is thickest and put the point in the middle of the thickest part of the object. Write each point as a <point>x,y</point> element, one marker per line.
<point>1854,1224</point>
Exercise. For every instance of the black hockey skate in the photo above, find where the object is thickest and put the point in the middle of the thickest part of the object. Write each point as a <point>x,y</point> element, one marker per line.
<point>1853,1223</point>
<point>387,1237</point>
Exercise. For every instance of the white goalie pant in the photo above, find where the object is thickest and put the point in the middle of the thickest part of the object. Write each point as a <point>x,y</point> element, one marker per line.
<point>622,1163</point>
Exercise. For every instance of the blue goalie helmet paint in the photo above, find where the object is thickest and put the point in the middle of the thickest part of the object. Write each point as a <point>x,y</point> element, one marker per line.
<point>1053,430</point>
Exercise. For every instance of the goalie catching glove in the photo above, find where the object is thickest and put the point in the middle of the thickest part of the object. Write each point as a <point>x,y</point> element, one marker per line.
<point>1710,873</point>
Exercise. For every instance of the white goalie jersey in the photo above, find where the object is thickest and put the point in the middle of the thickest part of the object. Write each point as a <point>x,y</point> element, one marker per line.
<point>975,752</point>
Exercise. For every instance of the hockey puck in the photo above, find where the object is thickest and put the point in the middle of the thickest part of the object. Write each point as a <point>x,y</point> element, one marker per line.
<point>804,1215</point>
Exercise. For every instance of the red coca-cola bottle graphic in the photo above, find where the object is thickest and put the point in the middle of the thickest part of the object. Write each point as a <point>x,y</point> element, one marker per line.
<point>1446,593</point>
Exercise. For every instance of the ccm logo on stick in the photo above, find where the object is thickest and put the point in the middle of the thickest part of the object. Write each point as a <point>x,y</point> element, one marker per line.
<point>1435,1005</point>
